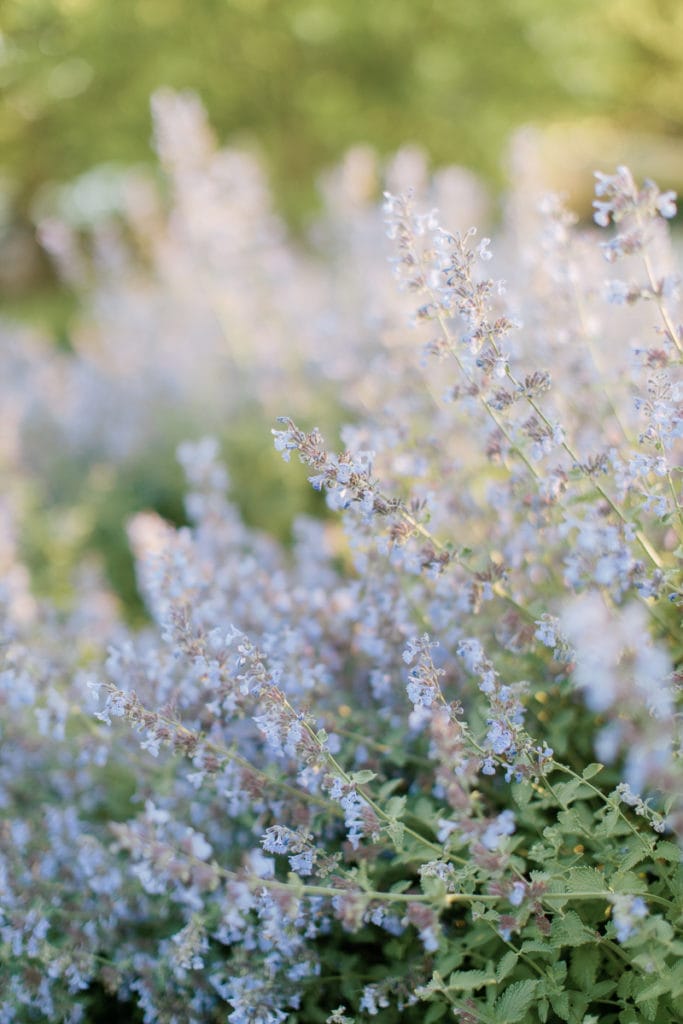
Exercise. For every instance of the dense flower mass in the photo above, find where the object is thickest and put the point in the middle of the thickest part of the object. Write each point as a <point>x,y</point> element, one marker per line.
<point>424,762</point>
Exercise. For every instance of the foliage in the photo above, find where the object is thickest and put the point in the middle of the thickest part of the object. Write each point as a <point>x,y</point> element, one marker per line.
<point>306,79</point>
<point>425,764</point>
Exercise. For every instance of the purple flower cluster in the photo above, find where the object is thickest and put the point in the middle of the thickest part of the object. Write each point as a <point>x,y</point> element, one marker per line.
<point>306,747</point>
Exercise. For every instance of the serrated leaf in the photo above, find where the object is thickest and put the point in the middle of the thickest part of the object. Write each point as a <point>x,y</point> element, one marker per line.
<point>401,886</point>
<point>567,792</point>
<point>569,931</point>
<point>514,1002</point>
<point>625,984</point>
<point>636,853</point>
<point>435,1012</point>
<point>505,965</point>
<point>591,769</point>
<point>396,806</point>
<point>653,990</point>
<point>435,984</point>
<point>584,966</point>
<point>449,961</point>
<point>607,826</point>
<point>585,880</point>
<point>668,851</point>
<point>649,1009</point>
<point>468,981</point>
<point>536,946</point>
<point>627,881</point>
<point>560,1004</point>
<point>521,793</point>
<point>435,889</point>
<point>575,820</point>
<point>676,982</point>
<point>362,777</point>
<point>540,853</point>
<point>603,989</point>
<point>559,971</point>
<point>396,831</point>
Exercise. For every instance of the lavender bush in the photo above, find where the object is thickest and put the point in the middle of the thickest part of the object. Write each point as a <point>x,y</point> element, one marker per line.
<point>425,764</point>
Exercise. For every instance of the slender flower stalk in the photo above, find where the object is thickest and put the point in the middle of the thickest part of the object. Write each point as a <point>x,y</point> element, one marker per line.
<point>421,757</point>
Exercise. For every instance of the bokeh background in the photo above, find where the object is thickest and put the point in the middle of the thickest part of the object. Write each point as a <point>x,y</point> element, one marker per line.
<point>95,271</point>
<point>302,80</point>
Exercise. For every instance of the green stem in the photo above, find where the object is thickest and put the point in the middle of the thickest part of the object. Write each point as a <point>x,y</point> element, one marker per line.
<point>557,766</point>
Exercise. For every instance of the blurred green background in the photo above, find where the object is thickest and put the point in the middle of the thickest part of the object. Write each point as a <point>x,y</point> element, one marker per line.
<point>298,82</point>
<point>302,80</point>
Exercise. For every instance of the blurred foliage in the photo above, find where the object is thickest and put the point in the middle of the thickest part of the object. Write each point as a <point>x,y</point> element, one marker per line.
<point>304,79</point>
<point>79,511</point>
<point>300,81</point>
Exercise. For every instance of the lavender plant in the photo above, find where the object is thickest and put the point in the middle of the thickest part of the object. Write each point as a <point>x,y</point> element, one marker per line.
<point>426,764</point>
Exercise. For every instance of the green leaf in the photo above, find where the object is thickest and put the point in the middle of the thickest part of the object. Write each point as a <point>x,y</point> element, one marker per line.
<point>634,853</point>
<point>513,1004</point>
<point>388,788</point>
<point>626,984</point>
<point>396,830</point>
<point>627,1016</point>
<point>649,1009</point>
<point>604,989</point>
<point>559,972</point>
<point>505,965</point>
<point>676,982</point>
<point>521,793</point>
<point>569,931</point>
<point>560,1004</point>
<point>567,792</point>
<point>537,946</point>
<point>592,769</point>
<point>668,851</point>
<point>627,881</point>
<point>584,966</point>
<point>609,822</point>
<point>540,853</point>
<point>585,880</point>
<point>468,981</point>
<point>655,988</point>
<point>435,1012</point>
<point>360,778</point>
<point>435,984</point>
<point>396,806</point>
<point>449,961</point>
<point>434,888</point>
<point>576,820</point>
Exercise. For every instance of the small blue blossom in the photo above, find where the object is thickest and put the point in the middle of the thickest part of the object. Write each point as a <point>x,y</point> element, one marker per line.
<point>302,863</point>
<point>496,830</point>
<point>517,893</point>
<point>626,912</point>
<point>499,737</point>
